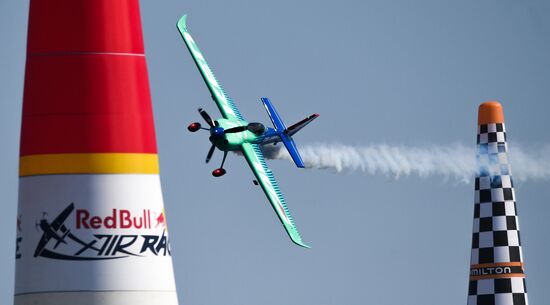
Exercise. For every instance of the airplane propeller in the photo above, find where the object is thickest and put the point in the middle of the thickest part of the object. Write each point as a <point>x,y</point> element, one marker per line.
<point>257,128</point>
<point>217,131</point>
<point>235,129</point>
<point>210,153</point>
<point>206,117</point>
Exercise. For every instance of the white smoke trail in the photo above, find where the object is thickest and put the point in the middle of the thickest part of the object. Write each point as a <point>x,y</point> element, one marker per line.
<point>454,160</point>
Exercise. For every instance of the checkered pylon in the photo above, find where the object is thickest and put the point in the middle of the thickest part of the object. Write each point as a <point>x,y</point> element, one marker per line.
<point>496,273</point>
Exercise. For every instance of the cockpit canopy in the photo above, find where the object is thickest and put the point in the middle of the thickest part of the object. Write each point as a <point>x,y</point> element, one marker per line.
<point>256,128</point>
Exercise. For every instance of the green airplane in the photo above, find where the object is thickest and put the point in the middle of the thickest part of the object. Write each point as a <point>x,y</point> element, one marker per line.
<point>233,133</point>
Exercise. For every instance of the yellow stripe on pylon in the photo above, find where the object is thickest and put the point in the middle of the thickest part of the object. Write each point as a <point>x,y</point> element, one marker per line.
<point>92,163</point>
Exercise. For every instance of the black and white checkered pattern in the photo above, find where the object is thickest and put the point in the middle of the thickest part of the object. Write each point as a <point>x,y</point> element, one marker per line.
<point>496,238</point>
<point>500,291</point>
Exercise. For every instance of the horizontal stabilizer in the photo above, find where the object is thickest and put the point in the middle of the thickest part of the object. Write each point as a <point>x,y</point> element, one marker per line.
<point>273,115</point>
<point>296,127</point>
<point>292,149</point>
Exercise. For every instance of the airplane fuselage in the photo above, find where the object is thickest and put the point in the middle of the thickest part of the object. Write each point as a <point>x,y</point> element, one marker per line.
<point>233,141</point>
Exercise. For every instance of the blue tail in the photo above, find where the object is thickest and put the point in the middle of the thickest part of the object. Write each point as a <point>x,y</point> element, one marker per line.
<point>284,133</point>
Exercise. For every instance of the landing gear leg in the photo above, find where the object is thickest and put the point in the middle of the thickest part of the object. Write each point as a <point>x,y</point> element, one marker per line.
<point>218,172</point>
<point>223,160</point>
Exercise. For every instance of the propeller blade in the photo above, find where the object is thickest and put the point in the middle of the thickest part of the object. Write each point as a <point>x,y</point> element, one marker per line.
<point>210,153</point>
<point>235,129</point>
<point>206,117</point>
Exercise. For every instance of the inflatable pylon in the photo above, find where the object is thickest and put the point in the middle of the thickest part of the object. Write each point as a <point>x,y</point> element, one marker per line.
<point>496,272</point>
<point>91,227</point>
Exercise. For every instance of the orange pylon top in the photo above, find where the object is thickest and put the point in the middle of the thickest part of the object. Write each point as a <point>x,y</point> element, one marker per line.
<point>490,112</point>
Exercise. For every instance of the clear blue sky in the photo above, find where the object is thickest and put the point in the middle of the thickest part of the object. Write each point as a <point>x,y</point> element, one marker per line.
<point>378,72</point>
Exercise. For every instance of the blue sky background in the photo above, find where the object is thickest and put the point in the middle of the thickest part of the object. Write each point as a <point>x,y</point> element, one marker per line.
<point>397,72</point>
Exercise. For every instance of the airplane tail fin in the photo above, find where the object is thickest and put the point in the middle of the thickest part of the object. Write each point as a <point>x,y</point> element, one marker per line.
<point>286,133</point>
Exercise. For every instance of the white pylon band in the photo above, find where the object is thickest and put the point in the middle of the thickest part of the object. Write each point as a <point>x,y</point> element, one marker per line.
<point>93,233</point>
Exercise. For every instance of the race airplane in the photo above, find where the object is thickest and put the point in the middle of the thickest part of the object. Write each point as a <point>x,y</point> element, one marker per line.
<point>233,133</point>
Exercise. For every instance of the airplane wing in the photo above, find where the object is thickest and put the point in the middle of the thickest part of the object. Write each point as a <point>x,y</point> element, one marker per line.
<point>225,104</point>
<point>263,174</point>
